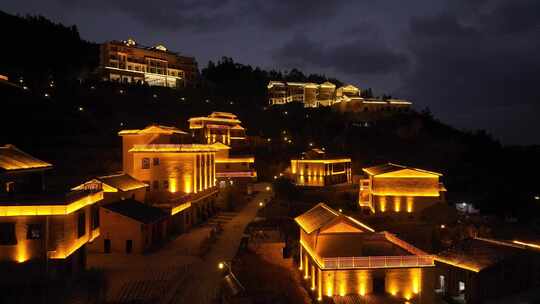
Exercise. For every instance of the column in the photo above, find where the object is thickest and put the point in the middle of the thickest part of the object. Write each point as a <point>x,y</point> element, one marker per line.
<point>301,257</point>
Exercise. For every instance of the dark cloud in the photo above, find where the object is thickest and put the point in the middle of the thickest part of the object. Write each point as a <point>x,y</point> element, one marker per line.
<point>284,14</point>
<point>488,67</point>
<point>354,57</point>
<point>194,15</point>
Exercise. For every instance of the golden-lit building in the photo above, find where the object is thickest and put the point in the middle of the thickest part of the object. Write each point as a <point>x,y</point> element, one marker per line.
<point>345,98</point>
<point>340,256</point>
<point>480,270</point>
<point>128,62</point>
<point>131,227</point>
<point>312,95</point>
<point>42,231</point>
<point>316,168</point>
<point>233,168</point>
<point>220,127</point>
<point>392,188</point>
<point>181,177</point>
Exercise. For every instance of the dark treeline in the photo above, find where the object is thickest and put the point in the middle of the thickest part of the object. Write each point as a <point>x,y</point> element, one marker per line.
<point>38,49</point>
<point>243,82</point>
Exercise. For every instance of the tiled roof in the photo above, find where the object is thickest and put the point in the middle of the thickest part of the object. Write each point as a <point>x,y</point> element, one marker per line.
<point>153,129</point>
<point>390,167</point>
<point>12,159</point>
<point>356,244</point>
<point>316,217</point>
<point>477,254</point>
<point>136,210</point>
<point>123,182</point>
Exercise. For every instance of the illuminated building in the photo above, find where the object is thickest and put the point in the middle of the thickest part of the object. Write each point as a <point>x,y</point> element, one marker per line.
<point>316,168</point>
<point>346,98</point>
<point>312,95</point>
<point>220,127</point>
<point>392,188</point>
<point>479,270</point>
<point>238,169</point>
<point>131,227</point>
<point>42,231</point>
<point>342,256</point>
<point>128,62</point>
<point>181,177</point>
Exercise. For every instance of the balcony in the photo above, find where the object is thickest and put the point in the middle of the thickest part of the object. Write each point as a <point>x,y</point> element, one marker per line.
<point>377,262</point>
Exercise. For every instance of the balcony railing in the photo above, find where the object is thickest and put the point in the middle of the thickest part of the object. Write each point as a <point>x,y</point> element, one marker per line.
<point>378,262</point>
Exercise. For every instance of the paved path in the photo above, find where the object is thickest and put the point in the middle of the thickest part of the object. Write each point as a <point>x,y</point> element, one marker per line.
<point>204,277</point>
<point>176,273</point>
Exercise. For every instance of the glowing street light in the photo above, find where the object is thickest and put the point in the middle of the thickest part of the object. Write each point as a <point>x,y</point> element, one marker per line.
<point>261,204</point>
<point>268,187</point>
<point>221,265</point>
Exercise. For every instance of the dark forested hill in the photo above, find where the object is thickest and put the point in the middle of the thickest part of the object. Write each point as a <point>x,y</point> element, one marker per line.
<point>36,48</point>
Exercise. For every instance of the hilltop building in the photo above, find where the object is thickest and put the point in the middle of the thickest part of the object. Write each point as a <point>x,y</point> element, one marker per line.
<point>220,127</point>
<point>181,177</point>
<point>392,189</point>
<point>345,98</point>
<point>479,270</point>
<point>42,231</point>
<point>340,256</point>
<point>318,169</point>
<point>128,62</point>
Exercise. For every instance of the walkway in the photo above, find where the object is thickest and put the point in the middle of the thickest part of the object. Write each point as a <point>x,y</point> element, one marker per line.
<point>205,278</point>
<point>176,273</point>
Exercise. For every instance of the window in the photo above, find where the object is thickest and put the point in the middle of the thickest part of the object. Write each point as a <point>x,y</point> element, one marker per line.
<point>34,232</point>
<point>165,184</point>
<point>107,246</point>
<point>146,163</point>
<point>7,234</point>
<point>81,224</point>
<point>156,161</point>
<point>10,187</point>
<point>129,246</point>
<point>156,185</point>
<point>95,217</point>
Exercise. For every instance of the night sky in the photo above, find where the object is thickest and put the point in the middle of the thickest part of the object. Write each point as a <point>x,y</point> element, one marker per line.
<point>474,63</point>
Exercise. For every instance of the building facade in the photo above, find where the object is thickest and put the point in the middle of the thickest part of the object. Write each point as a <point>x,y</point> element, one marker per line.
<point>220,127</point>
<point>233,169</point>
<point>480,270</point>
<point>181,177</point>
<point>127,62</point>
<point>315,168</point>
<point>345,98</point>
<point>131,227</point>
<point>340,256</point>
<point>41,231</point>
<point>392,189</point>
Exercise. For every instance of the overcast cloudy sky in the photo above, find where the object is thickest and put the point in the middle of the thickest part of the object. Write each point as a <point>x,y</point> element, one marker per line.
<point>474,63</point>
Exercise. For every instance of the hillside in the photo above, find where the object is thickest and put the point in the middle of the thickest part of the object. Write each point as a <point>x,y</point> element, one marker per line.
<point>73,123</point>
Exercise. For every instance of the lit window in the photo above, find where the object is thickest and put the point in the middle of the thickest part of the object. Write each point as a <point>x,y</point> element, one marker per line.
<point>10,187</point>
<point>146,163</point>
<point>34,232</point>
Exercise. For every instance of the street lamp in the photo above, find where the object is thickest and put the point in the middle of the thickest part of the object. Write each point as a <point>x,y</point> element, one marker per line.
<point>261,204</point>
